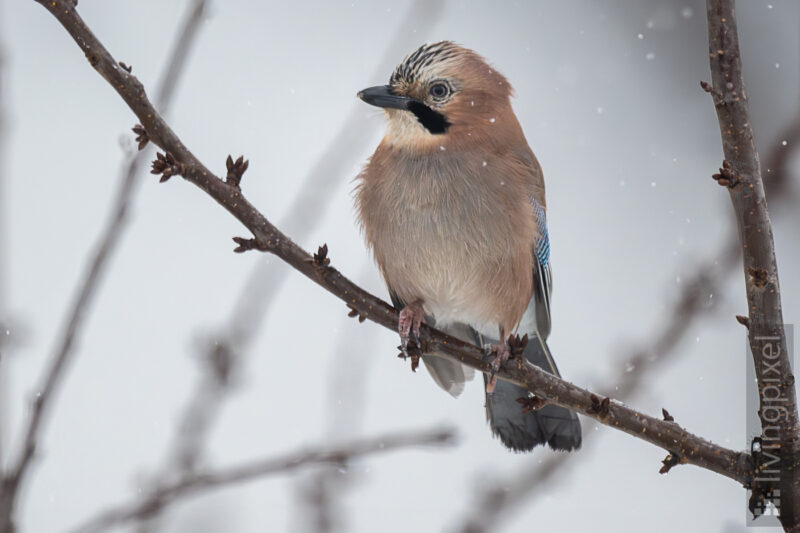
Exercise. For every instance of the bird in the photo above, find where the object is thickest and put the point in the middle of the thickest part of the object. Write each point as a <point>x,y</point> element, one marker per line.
<point>452,207</point>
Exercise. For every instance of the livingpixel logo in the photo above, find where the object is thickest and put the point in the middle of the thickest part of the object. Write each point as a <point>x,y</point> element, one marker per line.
<point>767,405</point>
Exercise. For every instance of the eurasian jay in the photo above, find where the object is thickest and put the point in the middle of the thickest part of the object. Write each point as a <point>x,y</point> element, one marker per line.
<point>452,205</point>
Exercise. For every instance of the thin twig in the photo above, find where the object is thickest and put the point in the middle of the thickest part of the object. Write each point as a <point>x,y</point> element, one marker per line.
<point>252,470</point>
<point>741,174</point>
<point>179,160</point>
<point>86,291</point>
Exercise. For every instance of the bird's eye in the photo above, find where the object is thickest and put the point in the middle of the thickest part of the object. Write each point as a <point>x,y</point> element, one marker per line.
<point>439,91</point>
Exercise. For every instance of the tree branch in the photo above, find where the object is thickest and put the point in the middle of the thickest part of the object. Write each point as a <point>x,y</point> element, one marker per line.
<point>668,435</point>
<point>203,481</point>
<point>95,269</point>
<point>741,173</point>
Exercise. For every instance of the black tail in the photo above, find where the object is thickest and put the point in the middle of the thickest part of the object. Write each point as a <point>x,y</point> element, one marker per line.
<point>556,426</point>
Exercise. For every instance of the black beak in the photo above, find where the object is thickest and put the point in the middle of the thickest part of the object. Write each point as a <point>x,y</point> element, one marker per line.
<point>381,96</point>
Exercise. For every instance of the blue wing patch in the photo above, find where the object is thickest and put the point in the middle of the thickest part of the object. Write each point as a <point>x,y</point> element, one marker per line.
<point>542,244</point>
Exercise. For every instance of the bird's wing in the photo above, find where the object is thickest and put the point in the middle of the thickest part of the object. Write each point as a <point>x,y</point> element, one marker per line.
<point>556,426</point>
<point>528,166</point>
<point>448,374</point>
<point>542,273</point>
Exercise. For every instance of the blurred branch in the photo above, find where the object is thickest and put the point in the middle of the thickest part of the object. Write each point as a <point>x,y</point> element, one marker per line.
<point>205,481</point>
<point>777,179</point>
<point>178,160</point>
<point>741,175</point>
<point>321,494</point>
<point>79,311</point>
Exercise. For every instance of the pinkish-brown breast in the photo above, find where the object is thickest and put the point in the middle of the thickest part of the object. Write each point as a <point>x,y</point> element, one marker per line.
<point>453,229</point>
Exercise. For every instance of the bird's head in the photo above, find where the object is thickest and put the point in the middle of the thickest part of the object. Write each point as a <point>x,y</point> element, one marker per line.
<point>442,92</point>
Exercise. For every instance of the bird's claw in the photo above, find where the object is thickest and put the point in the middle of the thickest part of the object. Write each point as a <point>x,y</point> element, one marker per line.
<point>408,325</point>
<point>501,355</point>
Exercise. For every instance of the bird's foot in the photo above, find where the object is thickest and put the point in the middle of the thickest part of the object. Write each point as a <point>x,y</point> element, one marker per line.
<point>411,318</point>
<point>501,354</point>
